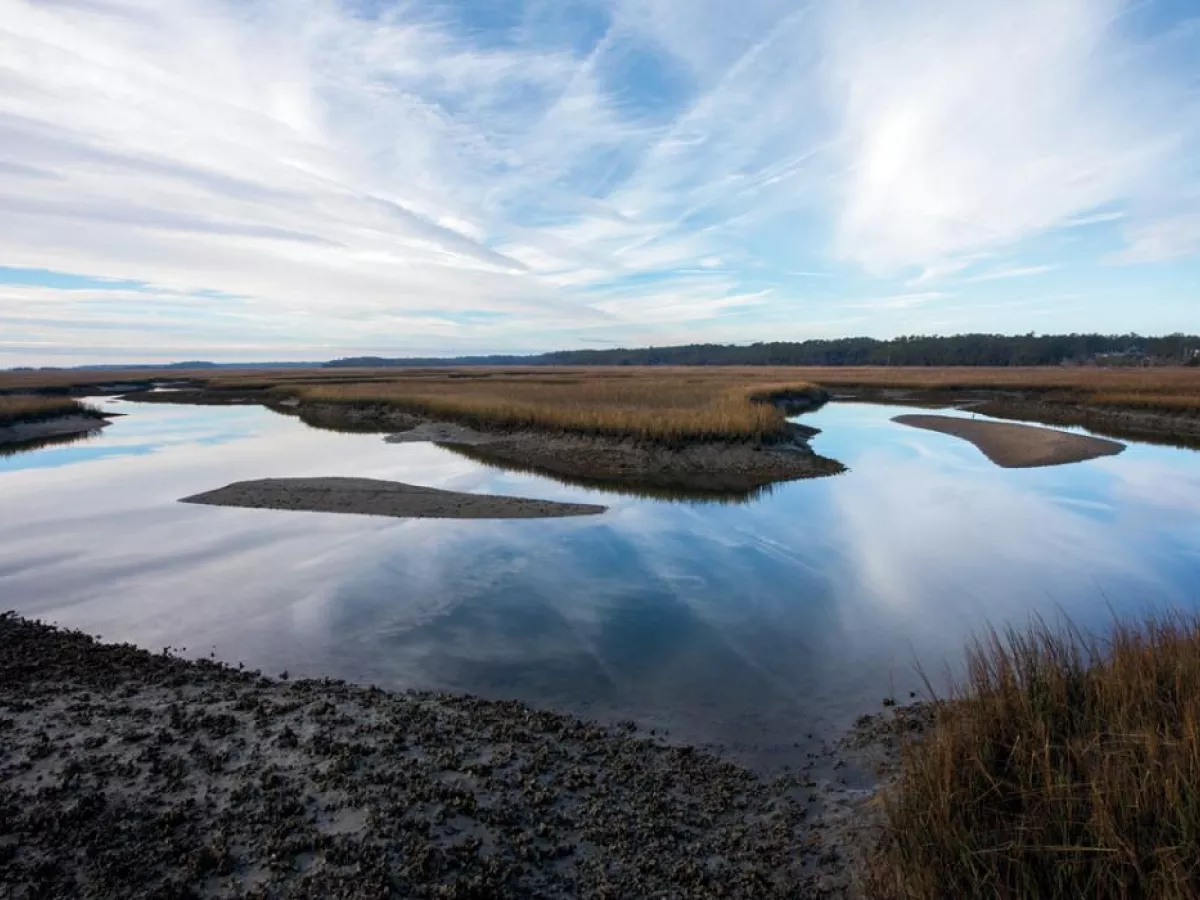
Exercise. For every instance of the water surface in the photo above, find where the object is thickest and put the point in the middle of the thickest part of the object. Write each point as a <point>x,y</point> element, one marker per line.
<point>750,625</point>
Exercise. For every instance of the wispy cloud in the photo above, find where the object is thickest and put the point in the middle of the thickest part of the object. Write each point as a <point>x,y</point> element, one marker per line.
<point>899,301</point>
<point>344,166</point>
<point>1009,272</point>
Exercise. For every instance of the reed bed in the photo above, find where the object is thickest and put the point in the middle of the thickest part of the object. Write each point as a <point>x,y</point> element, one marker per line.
<point>655,406</point>
<point>20,409</point>
<point>1061,766</point>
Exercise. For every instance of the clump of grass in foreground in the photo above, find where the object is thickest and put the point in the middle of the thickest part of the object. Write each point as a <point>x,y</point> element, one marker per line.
<point>15,410</point>
<point>1062,767</point>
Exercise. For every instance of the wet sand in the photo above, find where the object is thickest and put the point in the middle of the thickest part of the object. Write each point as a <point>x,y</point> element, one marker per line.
<point>366,496</point>
<point>125,773</point>
<point>1014,446</point>
<point>63,426</point>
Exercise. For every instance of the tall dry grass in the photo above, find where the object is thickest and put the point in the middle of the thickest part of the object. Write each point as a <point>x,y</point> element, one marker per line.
<point>1063,766</point>
<point>18,409</point>
<point>650,405</point>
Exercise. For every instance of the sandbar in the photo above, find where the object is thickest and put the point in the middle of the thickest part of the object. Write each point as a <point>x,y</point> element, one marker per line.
<point>370,497</point>
<point>1013,446</point>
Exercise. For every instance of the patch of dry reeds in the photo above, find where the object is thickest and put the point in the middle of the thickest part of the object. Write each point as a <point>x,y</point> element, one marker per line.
<point>1062,766</point>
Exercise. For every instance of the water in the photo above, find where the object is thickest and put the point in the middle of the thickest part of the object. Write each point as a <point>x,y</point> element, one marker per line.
<point>747,625</point>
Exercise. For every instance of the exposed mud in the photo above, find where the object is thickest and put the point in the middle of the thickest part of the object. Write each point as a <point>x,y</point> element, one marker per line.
<point>369,497</point>
<point>36,432</point>
<point>125,773</point>
<point>1017,446</point>
<point>715,467</point>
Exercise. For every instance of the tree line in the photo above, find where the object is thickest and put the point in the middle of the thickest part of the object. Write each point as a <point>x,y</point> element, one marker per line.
<point>915,350</point>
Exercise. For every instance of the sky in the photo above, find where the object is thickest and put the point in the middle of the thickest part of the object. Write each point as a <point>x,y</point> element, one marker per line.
<point>308,179</point>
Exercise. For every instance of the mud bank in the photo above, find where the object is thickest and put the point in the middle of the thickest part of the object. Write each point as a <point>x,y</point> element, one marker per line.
<point>64,426</point>
<point>708,466</point>
<point>369,497</point>
<point>1017,446</point>
<point>128,773</point>
<point>1178,428</point>
<point>1175,429</point>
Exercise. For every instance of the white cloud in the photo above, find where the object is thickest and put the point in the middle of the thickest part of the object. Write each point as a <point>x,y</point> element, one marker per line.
<point>1009,272</point>
<point>899,301</point>
<point>1163,239</point>
<point>974,125</point>
<point>347,173</point>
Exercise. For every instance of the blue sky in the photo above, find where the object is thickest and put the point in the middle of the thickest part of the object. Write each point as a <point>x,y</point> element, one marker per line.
<point>303,179</point>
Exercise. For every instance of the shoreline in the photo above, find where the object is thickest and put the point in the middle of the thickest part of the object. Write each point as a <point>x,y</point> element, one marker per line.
<point>1114,422</point>
<point>700,467</point>
<point>162,774</point>
<point>40,430</point>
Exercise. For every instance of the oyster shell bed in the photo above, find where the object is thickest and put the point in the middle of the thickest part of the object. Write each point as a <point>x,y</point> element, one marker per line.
<point>128,773</point>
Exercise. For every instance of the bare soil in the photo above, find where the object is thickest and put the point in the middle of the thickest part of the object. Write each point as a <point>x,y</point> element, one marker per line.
<point>369,497</point>
<point>1013,446</point>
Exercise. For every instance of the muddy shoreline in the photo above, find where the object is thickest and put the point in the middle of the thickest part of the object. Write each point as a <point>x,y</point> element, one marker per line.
<point>61,427</point>
<point>1177,429</point>
<point>371,497</point>
<point>124,772</point>
<point>715,467</point>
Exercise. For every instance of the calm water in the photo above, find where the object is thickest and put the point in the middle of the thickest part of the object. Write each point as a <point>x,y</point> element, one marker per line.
<point>747,625</point>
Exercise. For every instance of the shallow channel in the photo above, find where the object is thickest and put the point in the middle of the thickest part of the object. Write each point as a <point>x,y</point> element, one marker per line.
<point>747,625</point>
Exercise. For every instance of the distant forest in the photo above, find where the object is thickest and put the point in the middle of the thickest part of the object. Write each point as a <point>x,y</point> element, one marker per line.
<point>957,350</point>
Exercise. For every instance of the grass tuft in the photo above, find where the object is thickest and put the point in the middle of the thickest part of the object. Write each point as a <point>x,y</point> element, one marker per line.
<point>1062,766</point>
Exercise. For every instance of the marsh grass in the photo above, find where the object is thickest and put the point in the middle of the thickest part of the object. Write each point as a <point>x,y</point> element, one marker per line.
<point>1061,766</point>
<point>657,405</point>
<point>16,410</point>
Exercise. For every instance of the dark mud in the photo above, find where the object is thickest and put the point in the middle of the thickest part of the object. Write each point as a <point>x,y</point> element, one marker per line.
<point>125,773</point>
<point>371,497</point>
<point>23,434</point>
<point>719,469</point>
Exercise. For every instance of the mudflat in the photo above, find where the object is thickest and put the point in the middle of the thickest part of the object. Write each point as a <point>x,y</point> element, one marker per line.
<point>370,497</point>
<point>1013,446</point>
<point>126,773</point>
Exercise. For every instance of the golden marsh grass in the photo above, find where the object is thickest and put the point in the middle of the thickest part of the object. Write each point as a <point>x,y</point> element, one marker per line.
<point>659,405</point>
<point>1062,766</point>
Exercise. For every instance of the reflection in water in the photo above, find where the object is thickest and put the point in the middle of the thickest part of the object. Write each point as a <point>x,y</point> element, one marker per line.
<point>750,624</point>
<point>56,440</point>
<point>668,493</point>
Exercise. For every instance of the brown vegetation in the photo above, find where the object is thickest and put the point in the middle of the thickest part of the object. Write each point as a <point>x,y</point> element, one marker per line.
<point>1062,767</point>
<point>663,402</point>
<point>650,404</point>
<point>21,409</point>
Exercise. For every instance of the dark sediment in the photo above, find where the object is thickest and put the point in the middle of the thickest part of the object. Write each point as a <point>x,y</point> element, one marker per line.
<point>126,773</point>
<point>367,496</point>
<point>74,424</point>
<point>717,467</point>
